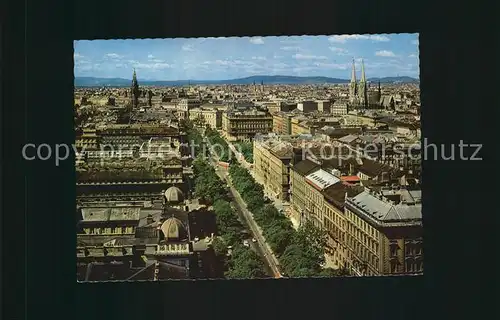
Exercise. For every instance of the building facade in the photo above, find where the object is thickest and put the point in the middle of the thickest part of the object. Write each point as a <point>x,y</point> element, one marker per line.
<point>282,123</point>
<point>384,232</point>
<point>203,117</point>
<point>244,125</point>
<point>272,165</point>
<point>339,108</point>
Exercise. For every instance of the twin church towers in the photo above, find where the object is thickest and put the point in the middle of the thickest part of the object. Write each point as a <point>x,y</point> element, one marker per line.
<point>359,91</point>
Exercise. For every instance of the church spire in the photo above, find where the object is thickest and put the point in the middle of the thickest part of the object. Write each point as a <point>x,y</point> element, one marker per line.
<point>134,92</point>
<point>353,86</point>
<point>363,76</point>
<point>353,73</point>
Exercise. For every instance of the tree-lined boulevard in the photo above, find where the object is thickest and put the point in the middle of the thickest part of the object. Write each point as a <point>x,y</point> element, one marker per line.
<point>284,250</point>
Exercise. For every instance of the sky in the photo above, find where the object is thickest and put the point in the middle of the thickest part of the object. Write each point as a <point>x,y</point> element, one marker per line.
<point>384,55</point>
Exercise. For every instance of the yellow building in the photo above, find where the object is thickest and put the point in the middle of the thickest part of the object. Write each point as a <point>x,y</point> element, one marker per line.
<point>358,120</point>
<point>299,126</point>
<point>272,165</point>
<point>211,117</point>
<point>184,107</point>
<point>298,185</point>
<point>384,232</point>
<point>282,123</point>
<point>244,125</point>
<point>89,140</point>
<point>316,182</point>
<point>334,221</point>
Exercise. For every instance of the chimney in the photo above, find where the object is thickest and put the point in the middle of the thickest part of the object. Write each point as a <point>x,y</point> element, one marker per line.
<point>159,233</point>
<point>297,155</point>
<point>149,219</point>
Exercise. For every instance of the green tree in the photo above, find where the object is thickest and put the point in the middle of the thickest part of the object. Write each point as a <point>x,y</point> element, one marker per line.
<point>219,246</point>
<point>279,239</point>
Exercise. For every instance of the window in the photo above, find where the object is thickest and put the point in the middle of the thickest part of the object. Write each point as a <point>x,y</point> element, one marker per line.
<point>394,267</point>
<point>394,250</point>
<point>409,267</point>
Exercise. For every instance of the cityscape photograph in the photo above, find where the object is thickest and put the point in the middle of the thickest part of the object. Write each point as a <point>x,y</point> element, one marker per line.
<point>248,157</point>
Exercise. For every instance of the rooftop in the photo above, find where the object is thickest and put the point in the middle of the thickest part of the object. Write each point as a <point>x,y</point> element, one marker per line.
<point>304,167</point>
<point>111,213</point>
<point>379,208</point>
<point>322,179</point>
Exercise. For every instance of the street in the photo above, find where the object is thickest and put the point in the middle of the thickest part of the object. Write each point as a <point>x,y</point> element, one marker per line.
<point>246,217</point>
<point>280,205</point>
<point>262,248</point>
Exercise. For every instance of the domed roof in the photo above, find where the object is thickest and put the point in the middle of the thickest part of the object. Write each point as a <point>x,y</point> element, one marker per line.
<point>173,228</point>
<point>174,194</point>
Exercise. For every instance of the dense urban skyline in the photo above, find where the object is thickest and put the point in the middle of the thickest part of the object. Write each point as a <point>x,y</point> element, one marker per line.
<point>230,58</point>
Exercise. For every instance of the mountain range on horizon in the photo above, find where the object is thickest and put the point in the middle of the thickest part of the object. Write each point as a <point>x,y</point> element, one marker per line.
<point>121,82</point>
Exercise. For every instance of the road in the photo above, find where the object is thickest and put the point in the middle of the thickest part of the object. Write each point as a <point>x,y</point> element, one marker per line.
<point>246,217</point>
<point>279,204</point>
<point>262,248</point>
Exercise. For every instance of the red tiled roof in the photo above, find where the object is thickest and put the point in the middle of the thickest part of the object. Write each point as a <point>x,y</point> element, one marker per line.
<point>350,178</point>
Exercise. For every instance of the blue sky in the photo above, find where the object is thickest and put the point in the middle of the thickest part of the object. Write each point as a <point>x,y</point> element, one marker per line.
<point>236,57</point>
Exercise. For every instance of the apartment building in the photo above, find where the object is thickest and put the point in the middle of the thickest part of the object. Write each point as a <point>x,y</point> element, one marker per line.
<point>282,123</point>
<point>245,124</point>
<point>272,160</point>
<point>384,232</point>
<point>205,116</point>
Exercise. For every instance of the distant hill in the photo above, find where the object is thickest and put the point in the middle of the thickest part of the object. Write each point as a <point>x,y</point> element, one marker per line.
<point>394,80</point>
<point>120,82</point>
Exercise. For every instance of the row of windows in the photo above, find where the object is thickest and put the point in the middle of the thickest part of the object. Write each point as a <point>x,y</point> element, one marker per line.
<point>408,267</point>
<point>367,228</point>
<point>363,254</point>
<point>114,230</point>
<point>412,250</point>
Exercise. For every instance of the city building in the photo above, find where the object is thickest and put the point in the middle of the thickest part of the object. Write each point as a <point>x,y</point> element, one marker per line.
<point>272,164</point>
<point>298,185</point>
<point>130,241</point>
<point>245,124</point>
<point>334,221</point>
<point>339,108</point>
<point>307,106</point>
<point>324,105</point>
<point>282,123</point>
<point>384,231</point>
<point>184,106</point>
<point>206,116</point>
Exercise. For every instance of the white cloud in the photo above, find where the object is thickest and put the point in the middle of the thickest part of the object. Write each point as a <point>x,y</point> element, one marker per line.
<point>345,37</point>
<point>187,47</point>
<point>300,56</point>
<point>291,48</point>
<point>259,58</point>
<point>257,40</point>
<point>150,56</point>
<point>290,40</point>
<point>76,55</point>
<point>277,56</point>
<point>385,53</point>
<point>140,65</point>
<point>339,51</point>
<point>338,66</point>
<point>412,56</point>
<point>114,56</point>
<point>415,42</point>
<point>379,38</point>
